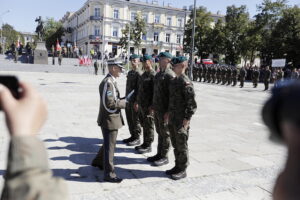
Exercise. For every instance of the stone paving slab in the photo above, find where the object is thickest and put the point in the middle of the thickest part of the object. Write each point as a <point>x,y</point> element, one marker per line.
<point>231,156</point>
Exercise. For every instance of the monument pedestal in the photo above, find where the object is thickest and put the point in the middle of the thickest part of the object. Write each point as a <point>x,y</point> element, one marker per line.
<point>40,54</point>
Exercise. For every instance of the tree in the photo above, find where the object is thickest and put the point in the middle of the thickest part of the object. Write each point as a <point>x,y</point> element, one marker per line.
<point>237,19</point>
<point>286,36</point>
<point>216,39</point>
<point>137,29</point>
<point>203,27</point>
<point>53,30</point>
<point>266,20</point>
<point>11,35</point>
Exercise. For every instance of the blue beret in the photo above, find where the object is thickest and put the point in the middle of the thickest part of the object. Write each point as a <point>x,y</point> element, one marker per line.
<point>165,55</point>
<point>177,60</point>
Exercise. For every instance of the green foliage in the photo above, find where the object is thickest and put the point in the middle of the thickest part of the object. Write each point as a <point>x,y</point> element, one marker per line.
<point>202,32</point>
<point>11,35</point>
<point>53,30</point>
<point>137,29</point>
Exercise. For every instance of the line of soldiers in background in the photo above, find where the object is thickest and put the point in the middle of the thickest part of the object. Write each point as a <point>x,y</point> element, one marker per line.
<point>230,75</point>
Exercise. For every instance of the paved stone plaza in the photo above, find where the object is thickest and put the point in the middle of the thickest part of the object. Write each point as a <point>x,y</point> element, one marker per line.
<point>231,156</point>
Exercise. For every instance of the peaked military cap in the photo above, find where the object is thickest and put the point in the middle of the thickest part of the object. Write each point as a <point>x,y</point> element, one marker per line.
<point>112,62</point>
<point>146,57</point>
<point>165,55</point>
<point>134,56</point>
<point>177,60</point>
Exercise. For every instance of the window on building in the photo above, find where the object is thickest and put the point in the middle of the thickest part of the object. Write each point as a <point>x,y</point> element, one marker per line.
<point>115,32</point>
<point>168,37</point>
<point>157,19</point>
<point>97,12</point>
<point>169,21</point>
<point>178,39</point>
<point>145,17</point>
<point>179,22</point>
<point>155,38</point>
<point>97,30</point>
<point>116,14</point>
<point>144,37</point>
<point>133,16</point>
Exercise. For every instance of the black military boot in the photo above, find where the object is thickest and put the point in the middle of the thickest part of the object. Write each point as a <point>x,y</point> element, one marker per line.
<point>134,142</point>
<point>128,140</point>
<point>153,158</point>
<point>144,149</point>
<point>172,171</point>
<point>161,162</point>
<point>179,175</point>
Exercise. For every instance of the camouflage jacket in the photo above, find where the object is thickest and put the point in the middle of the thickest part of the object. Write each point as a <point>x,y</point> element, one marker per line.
<point>182,103</point>
<point>28,176</point>
<point>161,90</point>
<point>132,83</point>
<point>146,89</point>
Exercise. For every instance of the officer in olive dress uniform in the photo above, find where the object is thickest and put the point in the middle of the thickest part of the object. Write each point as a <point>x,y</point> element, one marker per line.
<point>110,120</point>
<point>267,77</point>
<point>160,105</point>
<point>132,114</point>
<point>255,77</point>
<point>182,106</point>
<point>145,98</point>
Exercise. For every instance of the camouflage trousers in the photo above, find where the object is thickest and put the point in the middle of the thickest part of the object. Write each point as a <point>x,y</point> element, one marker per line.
<point>162,130</point>
<point>179,138</point>
<point>133,121</point>
<point>234,80</point>
<point>242,82</point>
<point>255,82</point>
<point>147,122</point>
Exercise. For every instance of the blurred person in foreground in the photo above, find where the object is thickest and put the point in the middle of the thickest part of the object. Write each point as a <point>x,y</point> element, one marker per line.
<point>281,115</point>
<point>28,175</point>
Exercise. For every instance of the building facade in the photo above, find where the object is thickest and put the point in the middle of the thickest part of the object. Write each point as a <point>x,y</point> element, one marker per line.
<point>99,23</point>
<point>28,37</point>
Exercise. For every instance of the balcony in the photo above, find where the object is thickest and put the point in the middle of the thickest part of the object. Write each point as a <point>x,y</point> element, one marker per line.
<point>157,25</point>
<point>96,18</point>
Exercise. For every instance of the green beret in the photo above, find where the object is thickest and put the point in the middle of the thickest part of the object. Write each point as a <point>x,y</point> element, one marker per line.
<point>134,56</point>
<point>177,60</point>
<point>146,57</point>
<point>165,55</point>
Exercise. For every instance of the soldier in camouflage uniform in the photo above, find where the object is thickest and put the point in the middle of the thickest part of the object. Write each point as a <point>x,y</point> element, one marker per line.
<point>182,106</point>
<point>131,109</point>
<point>160,105</point>
<point>96,67</point>
<point>255,77</point>
<point>204,72</point>
<point>243,74</point>
<point>223,74</point>
<point>200,72</point>
<point>219,76</point>
<point>279,77</point>
<point>145,98</point>
<point>234,76</point>
<point>208,74</point>
<point>228,76</point>
<point>195,72</point>
<point>214,74</point>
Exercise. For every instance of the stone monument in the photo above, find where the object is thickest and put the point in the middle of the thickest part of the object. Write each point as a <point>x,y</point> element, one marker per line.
<point>40,52</point>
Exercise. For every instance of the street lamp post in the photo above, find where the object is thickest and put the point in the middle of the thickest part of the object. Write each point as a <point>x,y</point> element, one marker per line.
<point>193,42</point>
<point>2,29</point>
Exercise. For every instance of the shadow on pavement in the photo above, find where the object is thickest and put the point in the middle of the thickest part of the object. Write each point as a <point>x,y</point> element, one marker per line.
<point>88,148</point>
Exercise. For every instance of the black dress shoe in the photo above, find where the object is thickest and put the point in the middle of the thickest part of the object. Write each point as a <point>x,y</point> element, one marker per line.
<point>113,180</point>
<point>144,150</point>
<point>153,158</point>
<point>179,175</point>
<point>140,147</point>
<point>97,165</point>
<point>174,170</point>
<point>134,142</point>
<point>128,140</point>
<point>161,162</point>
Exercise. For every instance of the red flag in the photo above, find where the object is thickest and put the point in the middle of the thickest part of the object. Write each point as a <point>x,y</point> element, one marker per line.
<point>58,47</point>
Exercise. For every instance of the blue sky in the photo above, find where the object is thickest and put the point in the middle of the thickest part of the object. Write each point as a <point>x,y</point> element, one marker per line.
<point>23,12</point>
